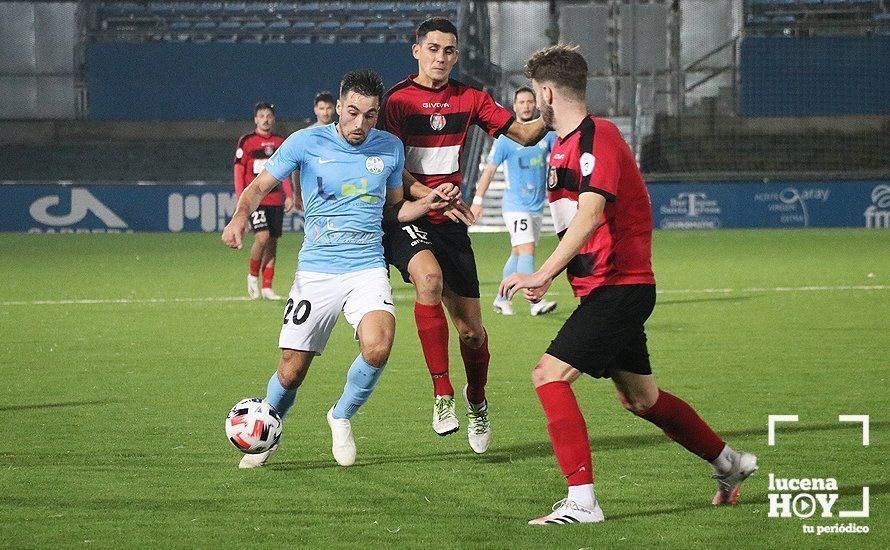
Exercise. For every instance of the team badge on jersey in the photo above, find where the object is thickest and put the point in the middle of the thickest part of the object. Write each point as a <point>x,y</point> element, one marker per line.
<point>551,178</point>
<point>269,150</point>
<point>374,165</point>
<point>437,121</point>
<point>587,162</point>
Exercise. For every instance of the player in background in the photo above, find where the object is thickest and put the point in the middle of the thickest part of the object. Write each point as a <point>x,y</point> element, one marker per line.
<point>603,216</point>
<point>323,108</point>
<point>524,197</point>
<point>352,180</point>
<point>432,113</point>
<point>253,150</point>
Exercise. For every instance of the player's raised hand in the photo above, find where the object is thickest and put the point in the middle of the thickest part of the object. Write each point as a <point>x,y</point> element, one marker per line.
<point>536,285</point>
<point>234,232</point>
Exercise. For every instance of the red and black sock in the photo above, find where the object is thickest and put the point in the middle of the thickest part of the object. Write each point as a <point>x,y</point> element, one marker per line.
<point>432,329</point>
<point>476,365</point>
<point>682,424</point>
<point>568,432</point>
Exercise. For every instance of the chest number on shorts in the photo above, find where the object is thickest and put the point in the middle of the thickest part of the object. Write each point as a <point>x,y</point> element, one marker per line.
<point>258,217</point>
<point>301,312</point>
<point>520,225</point>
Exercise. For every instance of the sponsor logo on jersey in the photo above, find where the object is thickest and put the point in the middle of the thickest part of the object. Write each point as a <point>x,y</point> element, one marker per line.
<point>374,165</point>
<point>437,121</point>
<point>436,105</point>
<point>559,156</point>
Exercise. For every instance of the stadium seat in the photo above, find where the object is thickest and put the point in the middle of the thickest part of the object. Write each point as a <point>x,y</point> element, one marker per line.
<point>234,7</point>
<point>303,25</point>
<point>403,25</point>
<point>329,25</point>
<point>227,39</point>
<point>205,25</point>
<point>784,20</point>
<point>374,25</point>
<point>350,40</point>
<point>383,6</point>
<point>758,20</point>
<point>180,25</point>
<point>301,40</point>
<point>280,24</point>
<point>309,7</point>
<point>353,25</point>
<point>377,39</point>
<point>230,26</point>
<point>254,25</point>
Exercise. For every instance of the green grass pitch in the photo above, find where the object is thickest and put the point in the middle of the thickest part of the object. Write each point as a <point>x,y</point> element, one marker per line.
<point>113,433</point>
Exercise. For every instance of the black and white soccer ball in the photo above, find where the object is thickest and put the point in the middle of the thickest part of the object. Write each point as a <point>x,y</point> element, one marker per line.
<point>253,426</point>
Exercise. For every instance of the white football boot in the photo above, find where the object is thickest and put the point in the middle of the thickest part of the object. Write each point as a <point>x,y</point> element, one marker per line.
<point>253,287</point>
<point>743,465</point>
<point>343,444</point>
<point>542,308</point>
<point>567,512</point>
<point>479,427</point>
<point>269,294</point>
<point>444,418</point>
<point>503,307</point>
<point>259,459</point>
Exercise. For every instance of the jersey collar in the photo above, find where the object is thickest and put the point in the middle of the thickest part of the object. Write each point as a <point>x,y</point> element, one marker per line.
<point>586,123</point>
<point>411,80</point>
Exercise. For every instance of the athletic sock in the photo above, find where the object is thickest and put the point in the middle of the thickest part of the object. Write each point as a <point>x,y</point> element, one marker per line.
<point>268,275</point>
<point>682,424</point>
<point>583,494</point>
<point>360,382</point>
<point>254,268</point>
<point>568,432</point>
<point>432,329</point>
<point>509,269</point>
<point>723,462</point>
<point>280,397</point>
<point>525,263</point>
<point>476,366</point>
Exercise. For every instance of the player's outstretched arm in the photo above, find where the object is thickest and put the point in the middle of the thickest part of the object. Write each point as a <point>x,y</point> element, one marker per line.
<point>247,203</point>
<point>401,210</point>
<point>585,222</point>
<point>481,188</point>
<point>455,211</point>
<point>527,133</point>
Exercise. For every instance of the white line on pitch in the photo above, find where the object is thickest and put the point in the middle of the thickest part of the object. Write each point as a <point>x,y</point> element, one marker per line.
<point>405,293</point>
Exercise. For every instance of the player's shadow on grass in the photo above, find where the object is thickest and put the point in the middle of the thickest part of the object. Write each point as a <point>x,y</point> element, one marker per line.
<point>35,406</point>
<point>542,449</point>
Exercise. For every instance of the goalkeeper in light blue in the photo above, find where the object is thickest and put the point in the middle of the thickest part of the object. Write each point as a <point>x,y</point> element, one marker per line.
<point>350,179</point>
<point>525,194</point>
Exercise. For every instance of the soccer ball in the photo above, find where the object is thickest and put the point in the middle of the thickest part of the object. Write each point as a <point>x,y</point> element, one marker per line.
<point>253,426</point>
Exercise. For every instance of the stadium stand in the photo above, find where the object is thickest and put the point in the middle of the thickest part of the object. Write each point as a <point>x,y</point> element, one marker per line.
<point>275,22</point>
<point>801,18</point>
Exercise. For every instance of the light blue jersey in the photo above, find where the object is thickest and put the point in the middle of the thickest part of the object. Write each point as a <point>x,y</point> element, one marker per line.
<point>525,172</point>
<point>344,191</point>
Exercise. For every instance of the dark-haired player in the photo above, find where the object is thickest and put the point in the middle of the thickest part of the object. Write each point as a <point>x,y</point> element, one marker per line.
<point>352,180</point>
<point>432,113</point>
<point>323,107</point>
<point>602,214</point>
<point>253,150</point>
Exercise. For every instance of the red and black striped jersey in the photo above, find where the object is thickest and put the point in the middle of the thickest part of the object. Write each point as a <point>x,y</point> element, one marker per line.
<point>595,158</point>
<point>433,124</point>
<point>253,151</point>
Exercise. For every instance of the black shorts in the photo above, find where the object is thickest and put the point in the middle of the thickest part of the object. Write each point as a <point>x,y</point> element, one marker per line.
<point>268,218</point>
<point>606,331</point>
<point>449,243</point>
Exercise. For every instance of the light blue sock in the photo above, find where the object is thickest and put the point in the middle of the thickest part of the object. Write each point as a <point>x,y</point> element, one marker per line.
<point>360,382</point>
<point>509,269</point>
<point>278,396</point>
<point>526,263</point>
